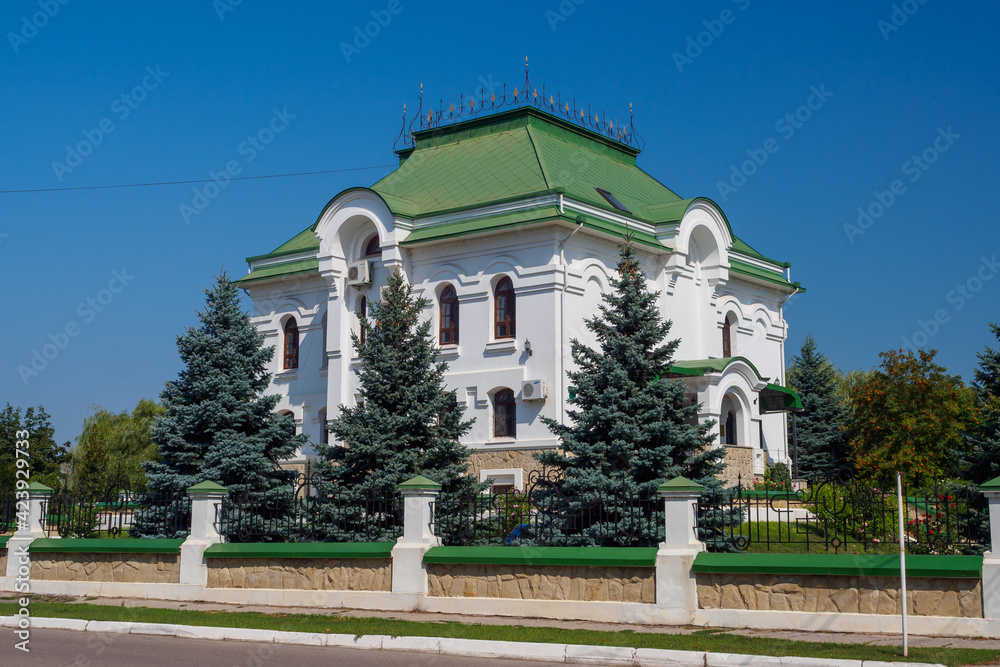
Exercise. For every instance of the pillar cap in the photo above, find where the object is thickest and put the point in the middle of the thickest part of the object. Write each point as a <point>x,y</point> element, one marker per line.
<point>420,482</point>
<point>680,485</point>
<point>992,485</point>
<point>38,487</point>
<point>207,487</point>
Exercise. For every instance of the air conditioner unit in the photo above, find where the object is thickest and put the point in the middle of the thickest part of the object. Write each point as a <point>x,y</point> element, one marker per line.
<point>359,273</point>
<point>533,390</point>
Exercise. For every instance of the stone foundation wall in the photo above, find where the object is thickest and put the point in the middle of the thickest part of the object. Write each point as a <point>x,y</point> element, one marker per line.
<point>739,463</point>
<point>543,582</point>
<point>124,568</point>
<point>504,458</point>
<point>310,574</point>
<point>865,595</point>
<point>3,560</point>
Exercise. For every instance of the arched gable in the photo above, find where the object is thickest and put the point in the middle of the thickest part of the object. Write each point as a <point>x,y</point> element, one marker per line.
<point>347,221</point>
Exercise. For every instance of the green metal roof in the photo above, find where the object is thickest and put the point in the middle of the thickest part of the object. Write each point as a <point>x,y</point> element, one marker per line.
<point>710,366</point>
<point>511,156</point>
<point>791,399</point>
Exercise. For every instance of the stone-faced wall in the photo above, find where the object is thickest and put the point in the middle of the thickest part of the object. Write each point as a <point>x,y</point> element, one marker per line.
<point>123,568</point>
<point>311,574</point>
<point>504,458</point>
<point>543,582</point>
<point>739,463</point>
<point>851,594</point>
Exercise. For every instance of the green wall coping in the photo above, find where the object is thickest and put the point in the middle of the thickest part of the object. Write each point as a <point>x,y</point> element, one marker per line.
<point>599,556</point>
<point>847,565</point>
<point>105,546</point>
<point>3,541</point>
<point>301,550</point>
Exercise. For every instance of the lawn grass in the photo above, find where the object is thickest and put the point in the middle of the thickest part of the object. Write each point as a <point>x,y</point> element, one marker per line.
<point>788,538</point>
<point>714,640</point>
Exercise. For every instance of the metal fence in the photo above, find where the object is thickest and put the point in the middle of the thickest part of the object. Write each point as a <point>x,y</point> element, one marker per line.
<point>8,510</point>
<point>841,514</point>
<point>115,512</point>
<point>308,510</point>
<point>544,514</point>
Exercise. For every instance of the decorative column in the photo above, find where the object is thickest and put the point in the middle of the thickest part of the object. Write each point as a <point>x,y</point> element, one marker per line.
<point>18,563</point>
<point>991,559</point>
<point>409,575</point>
<point>676,588</point>
<point>206,498</point>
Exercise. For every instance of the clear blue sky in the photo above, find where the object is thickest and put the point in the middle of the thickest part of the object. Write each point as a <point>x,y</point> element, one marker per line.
<point>218,80</point>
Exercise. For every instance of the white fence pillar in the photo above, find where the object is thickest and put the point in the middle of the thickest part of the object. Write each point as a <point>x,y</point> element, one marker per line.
<point>205,500</point>
<point>27,531</point>
<point>676,588</point>
<point>991,559</point>
<point>409,575</point>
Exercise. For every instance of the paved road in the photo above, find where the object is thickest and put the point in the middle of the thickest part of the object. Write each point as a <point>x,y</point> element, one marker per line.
<point>67,648</point>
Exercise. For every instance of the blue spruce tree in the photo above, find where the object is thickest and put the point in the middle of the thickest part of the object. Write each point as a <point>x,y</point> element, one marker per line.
<point>406,424</point>
<point>218,424</point>
<point>823,445</point>
<point>632,427</point>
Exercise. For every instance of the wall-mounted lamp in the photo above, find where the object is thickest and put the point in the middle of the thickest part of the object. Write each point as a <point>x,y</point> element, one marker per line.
<point>527,346</point>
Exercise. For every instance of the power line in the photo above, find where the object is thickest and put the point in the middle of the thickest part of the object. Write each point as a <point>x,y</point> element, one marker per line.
<point>207,180</point>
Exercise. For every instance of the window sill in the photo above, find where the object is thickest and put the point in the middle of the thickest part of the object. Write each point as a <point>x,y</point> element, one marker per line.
<point>448,352</point>
<point>287,374</point>
<point>501,441</point>
<point>502,346</point>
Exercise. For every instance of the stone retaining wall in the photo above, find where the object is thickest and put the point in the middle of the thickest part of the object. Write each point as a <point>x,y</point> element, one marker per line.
<point>124,568</point>
<point>311,574</point>
<point>739,464</point>
<point>866,595</point>
<point>543,582</point>
<point>500,459</point>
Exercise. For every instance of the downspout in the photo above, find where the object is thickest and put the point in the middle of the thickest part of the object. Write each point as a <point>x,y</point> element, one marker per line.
<point>562,314</point>
<point>781,316</point>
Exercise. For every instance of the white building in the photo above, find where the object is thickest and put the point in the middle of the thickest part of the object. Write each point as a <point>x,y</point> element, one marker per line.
<point>509,224</point>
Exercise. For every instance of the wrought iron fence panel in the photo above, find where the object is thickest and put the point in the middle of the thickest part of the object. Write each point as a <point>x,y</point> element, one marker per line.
<point>544,514</point>
<point>840,513</point>
<point>8,510</point>
<point>310,510</point>
<point>116,511</point>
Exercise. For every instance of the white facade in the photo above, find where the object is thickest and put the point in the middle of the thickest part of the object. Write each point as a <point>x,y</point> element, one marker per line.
<point>559,269</point>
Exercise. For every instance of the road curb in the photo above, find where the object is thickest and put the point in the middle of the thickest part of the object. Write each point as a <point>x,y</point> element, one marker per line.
<point>557,653</point>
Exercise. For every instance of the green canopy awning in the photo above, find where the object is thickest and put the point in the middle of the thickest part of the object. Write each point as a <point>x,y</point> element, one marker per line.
<point>775,398</point>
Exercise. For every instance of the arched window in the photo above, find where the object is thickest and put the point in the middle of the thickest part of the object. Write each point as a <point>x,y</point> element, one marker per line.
<point>504,319</point>
<point>727,335</point>
<point>448,330</point>
<point>291,343</point>
<point>372,247</point>
<point>504,414</point>
<point>362,315</point>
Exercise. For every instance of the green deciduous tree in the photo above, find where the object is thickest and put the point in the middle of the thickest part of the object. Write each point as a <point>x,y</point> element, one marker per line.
<point>822,439</point>
<point>909,416</point>
<point>406,423</point>
<point>47,456</point>
<point>631,427</point>
<point>112,448</point>
<point>218,424</point>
